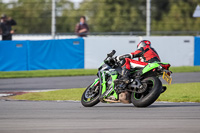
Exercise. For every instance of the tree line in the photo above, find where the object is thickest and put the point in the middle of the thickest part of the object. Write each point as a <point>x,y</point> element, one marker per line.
<point>34,16</point>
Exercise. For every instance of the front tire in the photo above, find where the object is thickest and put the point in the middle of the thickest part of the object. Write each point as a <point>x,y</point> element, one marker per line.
<point>91,96</point>
<point>154,87</point>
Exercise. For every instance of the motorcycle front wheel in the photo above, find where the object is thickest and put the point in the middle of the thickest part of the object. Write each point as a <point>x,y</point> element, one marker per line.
<point>153,89</point>
<point>91,96</point>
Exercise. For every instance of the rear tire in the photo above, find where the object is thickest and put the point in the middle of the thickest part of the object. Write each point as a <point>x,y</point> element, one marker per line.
<point>154,87</point>
<point>89,100</point>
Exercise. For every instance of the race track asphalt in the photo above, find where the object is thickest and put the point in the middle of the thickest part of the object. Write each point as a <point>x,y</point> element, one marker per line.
<point>30,84</point>
<point>72,117</point>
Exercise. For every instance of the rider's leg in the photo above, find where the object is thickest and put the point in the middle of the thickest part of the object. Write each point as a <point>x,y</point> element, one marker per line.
<point>137,64</point>
<point>127,65</point>
<point>125,71</point>
<point>125,74</point>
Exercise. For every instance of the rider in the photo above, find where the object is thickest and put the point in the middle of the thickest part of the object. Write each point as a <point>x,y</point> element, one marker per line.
<point>146,55</point>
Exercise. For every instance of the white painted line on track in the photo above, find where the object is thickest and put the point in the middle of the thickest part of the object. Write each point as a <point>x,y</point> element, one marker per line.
<point>41,90</point>
<point>5,95</point>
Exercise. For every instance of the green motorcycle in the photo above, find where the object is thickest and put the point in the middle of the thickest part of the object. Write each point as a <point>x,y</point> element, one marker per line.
<point>143,89</point>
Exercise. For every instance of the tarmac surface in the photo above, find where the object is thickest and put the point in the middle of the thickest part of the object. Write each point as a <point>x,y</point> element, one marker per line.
<point>72,117</point>
<point>31,84</point>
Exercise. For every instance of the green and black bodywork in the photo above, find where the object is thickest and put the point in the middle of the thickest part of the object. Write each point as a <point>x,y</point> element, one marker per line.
<point>142,90</point>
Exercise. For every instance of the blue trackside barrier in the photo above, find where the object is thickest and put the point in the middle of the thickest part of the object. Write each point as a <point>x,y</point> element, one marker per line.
<point>13,55</point>
<point>40,55</point>
<point>197,51</point>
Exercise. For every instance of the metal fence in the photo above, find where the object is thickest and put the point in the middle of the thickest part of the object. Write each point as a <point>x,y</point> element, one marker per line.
<point>34,17</point>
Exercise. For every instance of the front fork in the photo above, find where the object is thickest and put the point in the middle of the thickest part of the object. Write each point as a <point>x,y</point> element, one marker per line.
<point>107,90</point>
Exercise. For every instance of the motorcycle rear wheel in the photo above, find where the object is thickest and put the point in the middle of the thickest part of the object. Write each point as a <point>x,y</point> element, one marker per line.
<point>154,87</point>
<point>89,97</point>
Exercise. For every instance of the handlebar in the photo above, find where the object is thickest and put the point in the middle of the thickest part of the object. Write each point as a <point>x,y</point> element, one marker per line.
<point>111,54</point>
<point>110,60</point>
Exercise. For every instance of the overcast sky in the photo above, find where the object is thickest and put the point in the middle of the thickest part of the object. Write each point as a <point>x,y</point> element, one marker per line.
<point>6,1</point>
<point>38,0</point>
<point>76,2</point>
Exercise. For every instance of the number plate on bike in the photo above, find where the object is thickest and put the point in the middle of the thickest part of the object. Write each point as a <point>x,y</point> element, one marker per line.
<point>167,78</point>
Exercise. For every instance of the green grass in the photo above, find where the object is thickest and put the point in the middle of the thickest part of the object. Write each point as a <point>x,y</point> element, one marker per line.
<point>188,92</point>
<point>76,72</point>
<point>48,73</point>
<point>64,94</point>
<point>185,69</point>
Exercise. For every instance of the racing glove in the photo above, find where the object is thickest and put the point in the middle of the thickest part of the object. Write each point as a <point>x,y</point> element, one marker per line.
<point>118,58</point>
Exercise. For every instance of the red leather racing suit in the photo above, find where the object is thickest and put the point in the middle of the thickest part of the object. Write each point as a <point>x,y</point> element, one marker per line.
<point>146,55</point>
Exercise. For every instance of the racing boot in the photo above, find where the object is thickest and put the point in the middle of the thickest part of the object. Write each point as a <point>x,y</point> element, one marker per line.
<point>125,76</point>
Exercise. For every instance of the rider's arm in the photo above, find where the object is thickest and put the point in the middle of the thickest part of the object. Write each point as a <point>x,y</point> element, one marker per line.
<point>137,53</point>
<point>124,56</point>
